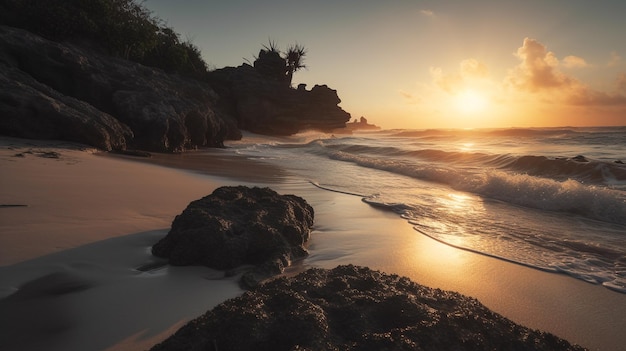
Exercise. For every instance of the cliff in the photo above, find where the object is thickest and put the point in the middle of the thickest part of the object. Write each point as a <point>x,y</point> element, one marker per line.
<point>267,106</point>
<point>61,90</point>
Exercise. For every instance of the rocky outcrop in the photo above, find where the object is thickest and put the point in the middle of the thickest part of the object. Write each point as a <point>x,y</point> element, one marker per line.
<point>64,91</point>
<point>361,124</point>
<point>30,109</point>
<point>240,225</point>
<point>354,308</point>
<point>266,106</point>
<point>51,90</point>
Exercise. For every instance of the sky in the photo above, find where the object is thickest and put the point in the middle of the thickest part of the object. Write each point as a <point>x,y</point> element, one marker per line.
<point>433,64</point>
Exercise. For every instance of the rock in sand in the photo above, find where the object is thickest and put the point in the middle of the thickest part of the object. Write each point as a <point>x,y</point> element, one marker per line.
<point>239,225</point>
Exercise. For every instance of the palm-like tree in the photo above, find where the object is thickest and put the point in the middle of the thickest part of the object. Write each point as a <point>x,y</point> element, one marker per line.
<point>277,65</point>
<point>295,60</point>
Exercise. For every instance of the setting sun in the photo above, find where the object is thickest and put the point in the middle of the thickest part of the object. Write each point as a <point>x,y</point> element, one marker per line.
<point>470,101</point>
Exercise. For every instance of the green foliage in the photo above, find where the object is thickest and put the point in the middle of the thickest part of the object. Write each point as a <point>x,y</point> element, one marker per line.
<point>124,28</point>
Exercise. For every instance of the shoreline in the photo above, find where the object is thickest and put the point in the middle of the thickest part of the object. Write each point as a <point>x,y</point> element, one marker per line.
<point>130,203</point>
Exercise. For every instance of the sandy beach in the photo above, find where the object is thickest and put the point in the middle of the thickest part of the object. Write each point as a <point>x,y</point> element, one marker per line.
<point>75,258</point>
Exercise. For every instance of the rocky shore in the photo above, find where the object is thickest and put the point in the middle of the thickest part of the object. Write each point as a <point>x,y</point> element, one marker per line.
<point>76,92</point>
<point>354,308</point>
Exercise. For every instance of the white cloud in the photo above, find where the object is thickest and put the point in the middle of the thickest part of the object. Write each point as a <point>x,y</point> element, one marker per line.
<point>427,13</point>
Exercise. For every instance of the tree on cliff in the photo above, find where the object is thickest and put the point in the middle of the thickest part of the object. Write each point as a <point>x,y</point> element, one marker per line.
<point>277,66</point>
<point>295,60</point>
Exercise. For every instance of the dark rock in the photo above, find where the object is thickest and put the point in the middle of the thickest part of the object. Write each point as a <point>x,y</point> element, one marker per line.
<point>240,225</point>
<point>62,91</point>
<point>580,158</point>
<point>265,106</point>
<point>361,124</point>
<point>135,153</point>
<point>354,308</point>
<point>270,64</point>
<point>50,154</point>
<point>30,109</point>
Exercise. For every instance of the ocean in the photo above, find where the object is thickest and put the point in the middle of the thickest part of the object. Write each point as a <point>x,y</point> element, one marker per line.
<point>553,199</point>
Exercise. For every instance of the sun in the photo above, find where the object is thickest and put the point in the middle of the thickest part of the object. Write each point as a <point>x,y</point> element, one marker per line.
<point>470,101</point>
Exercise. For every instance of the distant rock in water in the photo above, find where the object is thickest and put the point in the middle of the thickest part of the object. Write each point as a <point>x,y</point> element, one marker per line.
<point>270,107</point>
<point>354,308</point>
<point>361,124</point>
<point>240,225</point>
<point>51,90</point>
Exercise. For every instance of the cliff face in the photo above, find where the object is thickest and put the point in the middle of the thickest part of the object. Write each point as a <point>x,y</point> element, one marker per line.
<point>51,90</point>
<point>269,107</point>
<point>62,91</point>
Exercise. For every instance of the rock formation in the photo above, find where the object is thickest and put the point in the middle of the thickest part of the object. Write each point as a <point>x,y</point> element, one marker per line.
<point>361,124</point>
<point>239,225</point>
<point>354,308</point>
<point>266,106</point>
<point>51,90</point>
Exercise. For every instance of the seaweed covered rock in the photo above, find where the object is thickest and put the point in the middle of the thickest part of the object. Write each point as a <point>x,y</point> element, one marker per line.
<point>240,225</point>
<point>355,308</point>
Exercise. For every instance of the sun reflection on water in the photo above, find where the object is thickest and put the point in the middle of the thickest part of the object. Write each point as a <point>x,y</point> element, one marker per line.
<point>467,147</point>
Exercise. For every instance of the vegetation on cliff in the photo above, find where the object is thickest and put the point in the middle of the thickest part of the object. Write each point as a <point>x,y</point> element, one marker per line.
<point>123,28</point>
<point>279,66</point>
<point>127,29</point>
<point>109,65</point>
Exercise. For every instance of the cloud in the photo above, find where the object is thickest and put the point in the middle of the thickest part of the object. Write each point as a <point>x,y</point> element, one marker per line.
<point>406,94</point>
<point>448,82</point>
<point>538,72</point>
<point>470,70</point>
<point>409,97</point>
<point>427,13</point>
<point>574,62</point>
<point>474,68</point>
<point>538,69</point>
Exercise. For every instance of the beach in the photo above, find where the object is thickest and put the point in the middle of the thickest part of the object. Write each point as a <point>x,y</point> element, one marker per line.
<point>73,254</point>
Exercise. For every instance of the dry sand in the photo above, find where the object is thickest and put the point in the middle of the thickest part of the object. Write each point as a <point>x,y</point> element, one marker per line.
<point>69,259</point>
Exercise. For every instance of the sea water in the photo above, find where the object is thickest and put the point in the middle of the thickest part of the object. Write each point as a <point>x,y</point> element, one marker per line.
<point>551,199</point>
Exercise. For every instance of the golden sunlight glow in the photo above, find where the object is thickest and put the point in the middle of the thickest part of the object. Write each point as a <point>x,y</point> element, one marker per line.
<point>470,101</point>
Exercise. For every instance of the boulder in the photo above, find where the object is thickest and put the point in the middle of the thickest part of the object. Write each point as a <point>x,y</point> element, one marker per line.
<point>354,308</point>
<point>266,106</point>
<point>131,104</point>
<point>240,225</point>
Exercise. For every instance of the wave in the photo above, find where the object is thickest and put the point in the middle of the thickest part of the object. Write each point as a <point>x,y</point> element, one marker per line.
<point>579,168</point>
<point>570,196</point>
<point>580,256</point>
<point>510,132</point>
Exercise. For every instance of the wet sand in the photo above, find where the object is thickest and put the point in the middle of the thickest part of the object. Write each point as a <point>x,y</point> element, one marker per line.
<point>76,272</point>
